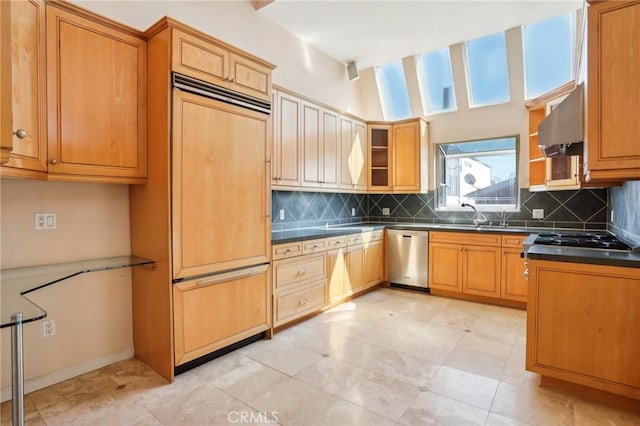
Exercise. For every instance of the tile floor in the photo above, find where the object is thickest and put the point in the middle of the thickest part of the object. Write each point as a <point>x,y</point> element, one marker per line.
<point>390,357</point>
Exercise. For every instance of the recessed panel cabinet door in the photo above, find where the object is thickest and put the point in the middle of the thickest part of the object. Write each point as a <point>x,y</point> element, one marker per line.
<point>220,189</point>
<point>26,130</point>
<point>96,98</point>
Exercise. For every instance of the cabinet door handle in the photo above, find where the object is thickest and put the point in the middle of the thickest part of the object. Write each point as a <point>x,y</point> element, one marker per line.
<point>54,161</point>
<point>20,133</point>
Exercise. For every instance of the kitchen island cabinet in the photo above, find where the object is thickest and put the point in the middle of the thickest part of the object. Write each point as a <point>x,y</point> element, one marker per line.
<point>583,323</point>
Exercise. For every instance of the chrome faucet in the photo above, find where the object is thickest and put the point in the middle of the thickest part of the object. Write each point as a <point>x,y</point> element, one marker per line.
<point>480,217</point>
<point>503,218</point>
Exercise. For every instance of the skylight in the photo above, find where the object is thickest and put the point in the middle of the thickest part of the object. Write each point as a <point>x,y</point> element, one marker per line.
<point>487,71</point>
<point>392,87</point>
<point>548,54</point>
<point>436,81</point>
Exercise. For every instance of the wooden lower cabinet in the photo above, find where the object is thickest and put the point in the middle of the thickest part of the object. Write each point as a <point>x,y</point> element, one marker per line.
<point>481,270</point>
<point>354,275</point>
<point>373,263</point>
<point>583,323</point>
<point>299,284</point>
<point>514,284</point>
<point>478,265</point>
<point>301,301</point>
<point>336,275</point>
<point>213,312</point>
<point>444,267</point>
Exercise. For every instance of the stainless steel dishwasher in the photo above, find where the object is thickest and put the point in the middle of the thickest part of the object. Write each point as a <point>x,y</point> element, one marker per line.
<point>408,259</point>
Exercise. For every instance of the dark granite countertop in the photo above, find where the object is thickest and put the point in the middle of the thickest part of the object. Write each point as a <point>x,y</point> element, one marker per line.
<point>292,235</point>
<point>560,254</point>
<point>288,236</point>
<point>627,259</point>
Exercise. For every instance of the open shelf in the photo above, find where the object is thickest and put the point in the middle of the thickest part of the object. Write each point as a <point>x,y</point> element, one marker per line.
<point>18,282</point>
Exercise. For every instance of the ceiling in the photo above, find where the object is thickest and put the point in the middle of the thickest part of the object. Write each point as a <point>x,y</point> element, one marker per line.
<point>376,32</point>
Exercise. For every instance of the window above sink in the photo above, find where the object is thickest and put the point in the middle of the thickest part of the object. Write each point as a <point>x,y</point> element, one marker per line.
<point>483,173</point>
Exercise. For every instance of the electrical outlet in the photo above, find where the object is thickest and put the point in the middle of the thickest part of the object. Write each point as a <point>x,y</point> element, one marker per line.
<point>385,211</point>
<point>353,211</point>
<point>48,328</point>
<point>281,214</point>
<point>538,213</point>
<point>612,221</point>
<point>44,221</point>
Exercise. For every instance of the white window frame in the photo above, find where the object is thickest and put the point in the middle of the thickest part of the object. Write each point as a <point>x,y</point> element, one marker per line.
<point>467,73</point>
<point>422,75</point>
<point>481,207</point>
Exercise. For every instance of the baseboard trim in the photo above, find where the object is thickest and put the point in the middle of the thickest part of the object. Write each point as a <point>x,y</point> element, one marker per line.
<point>58,376</point>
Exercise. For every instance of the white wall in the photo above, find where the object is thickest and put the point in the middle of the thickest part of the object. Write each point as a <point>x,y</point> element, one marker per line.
<point>92,311</point>
<point>466,123</point>
<point>300,67</point>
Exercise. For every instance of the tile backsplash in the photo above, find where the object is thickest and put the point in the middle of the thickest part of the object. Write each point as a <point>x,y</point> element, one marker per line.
<point>581,209</point>
<point>625,203</point>
<point>305,209</point>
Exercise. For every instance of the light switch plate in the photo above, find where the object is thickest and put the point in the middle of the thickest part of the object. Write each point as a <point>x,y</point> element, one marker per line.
<point>281,214</point>
<point>385,211</point>
<point>538,213</point>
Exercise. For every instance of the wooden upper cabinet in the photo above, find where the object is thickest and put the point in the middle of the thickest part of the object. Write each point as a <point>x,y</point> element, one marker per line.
<point>398,156</point>
<point>249,77</point>
<point>287,148</point>
<point>406,156</point>
<point>353,153</point>
<point>219,64</point>
<point>96,98</point>
<point>613,133</point>
<point>23,78</point>
<point>311,145</point>
<point>320,150</point>
<point>220,197</point>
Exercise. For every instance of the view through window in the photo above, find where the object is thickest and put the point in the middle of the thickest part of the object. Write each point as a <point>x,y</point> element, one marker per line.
<point>436,81</point>
<point>393,91</point>
<point>487,70</point>
<point>481,172</point>
<point>548,54</point>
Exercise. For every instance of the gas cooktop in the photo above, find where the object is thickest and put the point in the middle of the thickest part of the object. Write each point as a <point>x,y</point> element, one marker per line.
<point>581,239</point>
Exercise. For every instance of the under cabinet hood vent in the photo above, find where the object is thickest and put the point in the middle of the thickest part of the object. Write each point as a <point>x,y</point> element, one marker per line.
<point>199,87</point>
<point>561,133</point>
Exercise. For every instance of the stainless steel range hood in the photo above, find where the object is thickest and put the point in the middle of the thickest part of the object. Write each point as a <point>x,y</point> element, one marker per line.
<point>561,133</point>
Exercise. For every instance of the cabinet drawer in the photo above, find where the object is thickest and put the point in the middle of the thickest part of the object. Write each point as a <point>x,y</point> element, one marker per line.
<point>293,305</point>
<point>216,311</point>
<point>313,246</point>
<point>354,239</point>
<point>288,272</point>
<point>336,242</point>
<point>370,236</point>
<point>514,241</point>
<point>467,238</point>
<point>283,251</point>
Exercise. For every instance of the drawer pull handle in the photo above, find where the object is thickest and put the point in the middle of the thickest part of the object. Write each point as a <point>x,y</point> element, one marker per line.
<point>287,250</point>
<point>303,302</point>
<point>301,272</point>
<point>235,275</point>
